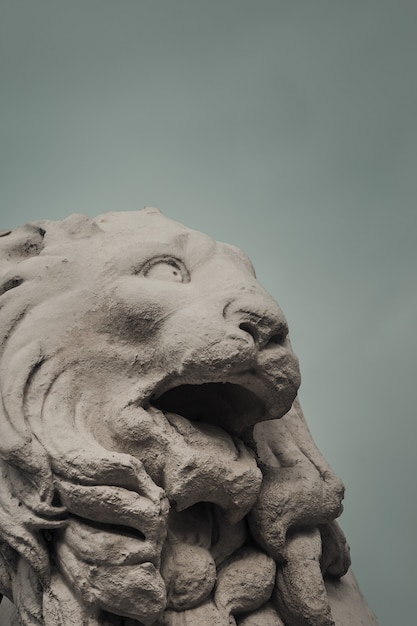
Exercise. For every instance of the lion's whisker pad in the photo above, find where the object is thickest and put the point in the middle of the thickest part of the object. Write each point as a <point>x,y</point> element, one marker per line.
<point>156,466</point>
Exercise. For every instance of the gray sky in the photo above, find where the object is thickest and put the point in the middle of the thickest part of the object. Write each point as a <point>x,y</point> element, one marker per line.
<point>287,128</point>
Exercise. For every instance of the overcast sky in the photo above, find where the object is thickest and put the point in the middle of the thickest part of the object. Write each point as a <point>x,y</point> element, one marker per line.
<point>287,128</point>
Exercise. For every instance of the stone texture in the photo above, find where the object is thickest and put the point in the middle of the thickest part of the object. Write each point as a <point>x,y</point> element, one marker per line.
<point>156,465</point>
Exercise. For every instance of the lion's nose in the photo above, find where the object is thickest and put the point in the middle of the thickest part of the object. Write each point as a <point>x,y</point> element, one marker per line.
<point>259,319</point>
<point>264,334</point>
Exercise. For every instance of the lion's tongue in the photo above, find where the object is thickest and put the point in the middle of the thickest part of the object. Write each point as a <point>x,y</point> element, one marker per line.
<point>192,461</point>
<point>206,465</point>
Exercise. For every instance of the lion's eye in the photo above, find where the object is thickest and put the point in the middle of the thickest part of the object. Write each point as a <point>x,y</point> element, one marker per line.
<point>166,269</point>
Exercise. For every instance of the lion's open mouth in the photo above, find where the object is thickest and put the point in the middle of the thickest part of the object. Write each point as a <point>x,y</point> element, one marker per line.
<point>228,405</point>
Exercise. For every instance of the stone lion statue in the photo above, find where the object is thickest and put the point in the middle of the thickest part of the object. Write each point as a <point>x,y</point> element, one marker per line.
<point>156,466</point>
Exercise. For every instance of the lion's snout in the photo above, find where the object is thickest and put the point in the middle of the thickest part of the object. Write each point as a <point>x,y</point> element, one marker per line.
<point>230,334</point>
<point>257,319</point>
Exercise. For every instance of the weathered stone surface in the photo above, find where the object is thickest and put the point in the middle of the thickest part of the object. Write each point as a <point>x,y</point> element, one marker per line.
<point>156,465</point>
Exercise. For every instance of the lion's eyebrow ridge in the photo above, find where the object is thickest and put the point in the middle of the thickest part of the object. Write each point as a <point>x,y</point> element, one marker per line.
<point>196,246</point>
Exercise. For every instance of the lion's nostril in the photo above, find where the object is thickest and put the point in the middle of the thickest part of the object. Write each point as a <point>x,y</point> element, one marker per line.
<point>277,339</point>
<point>251,330</point>
<point>263,335</point>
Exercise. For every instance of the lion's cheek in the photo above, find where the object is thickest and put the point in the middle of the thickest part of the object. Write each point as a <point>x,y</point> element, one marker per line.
<point>136,591</point>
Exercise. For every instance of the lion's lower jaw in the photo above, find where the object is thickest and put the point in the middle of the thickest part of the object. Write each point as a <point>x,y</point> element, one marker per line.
<point>191,461</point>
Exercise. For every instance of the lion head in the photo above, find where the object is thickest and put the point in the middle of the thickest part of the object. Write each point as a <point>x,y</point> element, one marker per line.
<point>152,449</point>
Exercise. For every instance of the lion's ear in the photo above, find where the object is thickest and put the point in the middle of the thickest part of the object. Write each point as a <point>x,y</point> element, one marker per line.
<point>76,226</point>
<point>29,240</point>
<point>21,243</point>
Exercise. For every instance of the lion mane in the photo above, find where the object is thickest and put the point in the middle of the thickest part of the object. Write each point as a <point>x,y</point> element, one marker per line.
<point>156,465</point>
